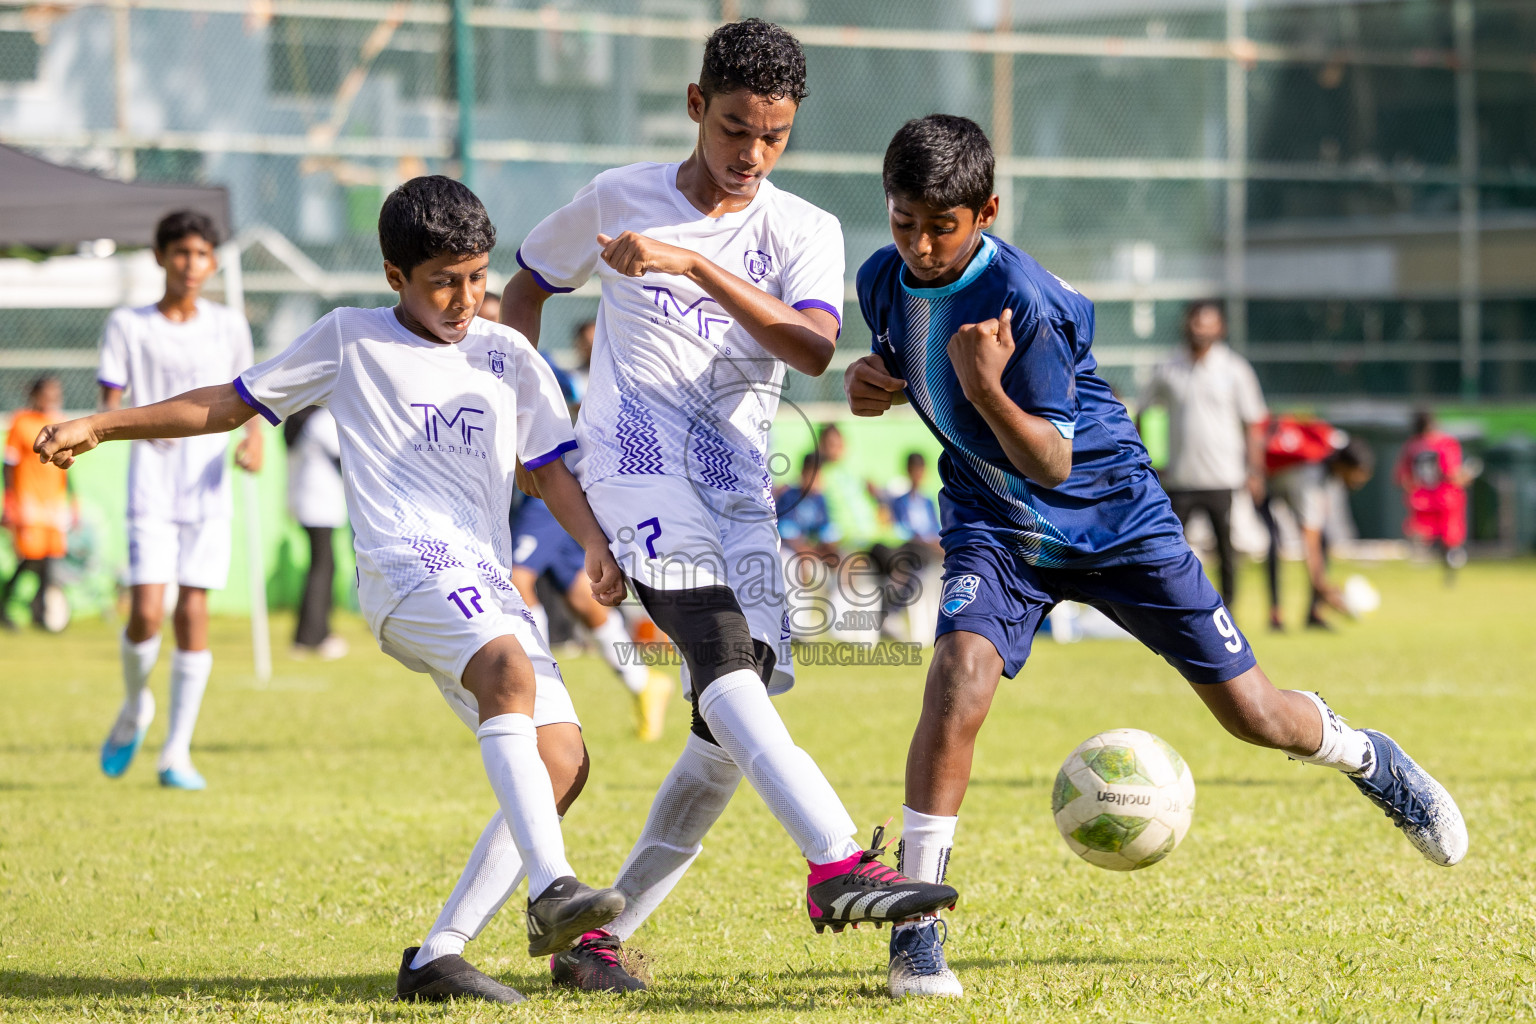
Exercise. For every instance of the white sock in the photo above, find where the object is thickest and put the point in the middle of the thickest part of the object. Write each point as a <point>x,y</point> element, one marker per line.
<point>1348,750</point>
<point>509,747</point>
<point>748,726</point>
<point>138,703</point>
<point>926,840</point>
<point>612,637</point>
<point>540,620</point>
<point>691,799</point>
<point>189,679</point>
<point>494,870</point>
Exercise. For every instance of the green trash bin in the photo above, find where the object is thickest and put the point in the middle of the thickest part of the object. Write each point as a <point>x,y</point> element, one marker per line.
<point>1504,496</point>
<point>1378,507</point>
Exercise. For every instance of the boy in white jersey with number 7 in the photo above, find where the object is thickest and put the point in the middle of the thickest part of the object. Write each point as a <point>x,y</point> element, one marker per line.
<point>435,407</point>
<point>713,281</point>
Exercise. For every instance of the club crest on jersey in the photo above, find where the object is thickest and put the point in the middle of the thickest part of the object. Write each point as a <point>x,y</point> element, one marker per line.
<point>759,264</point>
<point>959,592</point>
<point>498,362</point>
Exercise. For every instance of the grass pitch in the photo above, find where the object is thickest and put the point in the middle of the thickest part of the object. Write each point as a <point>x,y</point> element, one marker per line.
<point>345,797</point>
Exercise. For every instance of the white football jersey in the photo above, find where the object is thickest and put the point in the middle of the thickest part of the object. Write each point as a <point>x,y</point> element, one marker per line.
<point>430,434</point>
<point>677,387</point>
<point>150,358</point>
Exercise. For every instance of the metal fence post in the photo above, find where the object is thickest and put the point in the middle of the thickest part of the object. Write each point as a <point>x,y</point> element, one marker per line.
<point>1236,247</point>
<point>464,89</point>
<point>1002,126</point>
<point>1469,241</point>
<point>122,58</point>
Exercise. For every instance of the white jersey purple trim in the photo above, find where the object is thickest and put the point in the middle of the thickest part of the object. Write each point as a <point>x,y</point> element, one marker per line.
<point>677,386</point>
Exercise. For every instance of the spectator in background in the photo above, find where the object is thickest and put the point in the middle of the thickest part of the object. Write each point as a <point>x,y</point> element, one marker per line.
<point>1215,429</point>
<point>1302,455</point>
<point>805,524</point>
<point>316,500</point>
<point>581,356</point>
<point>853,503</point>
<point>915,519</point>
<point>38,510</point>
<point>914,514</point>
<point>1434,482</point>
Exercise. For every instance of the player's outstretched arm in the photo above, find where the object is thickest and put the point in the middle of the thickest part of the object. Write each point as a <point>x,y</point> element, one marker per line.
<point>212,410</point>
<point>803,339</point>
<point>1317,571</point>
<point>979,353</point>
<point>522,305</point>
<point>870,389</point>
<point>565,499</point>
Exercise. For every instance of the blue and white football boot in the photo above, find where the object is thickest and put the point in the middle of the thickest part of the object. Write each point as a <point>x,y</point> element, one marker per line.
<point>127,735</point>
<point>182,777</point>
<point>1416,803</point>
<point>918,967</point>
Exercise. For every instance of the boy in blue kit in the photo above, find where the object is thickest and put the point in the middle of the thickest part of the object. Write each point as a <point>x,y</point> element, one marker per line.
<point>1048,496</point>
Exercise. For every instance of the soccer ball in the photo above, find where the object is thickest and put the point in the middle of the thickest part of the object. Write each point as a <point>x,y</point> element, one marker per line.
<point>1123,799</point>
<point>1360,597</point>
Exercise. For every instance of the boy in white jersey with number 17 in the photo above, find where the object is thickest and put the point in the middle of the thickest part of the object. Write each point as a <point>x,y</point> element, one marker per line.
<point>713,281</point>
<point>434,408</point>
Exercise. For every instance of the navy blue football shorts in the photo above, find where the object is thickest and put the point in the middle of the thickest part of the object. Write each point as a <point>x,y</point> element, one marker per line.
<point>541,545</point>
<point>1167,603</point>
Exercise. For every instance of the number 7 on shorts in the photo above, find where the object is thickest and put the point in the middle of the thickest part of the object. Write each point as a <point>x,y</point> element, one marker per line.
<point>654,525</point>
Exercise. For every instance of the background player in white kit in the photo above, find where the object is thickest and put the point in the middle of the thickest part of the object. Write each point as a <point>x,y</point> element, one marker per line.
<point>434,407</point>
<point>712,281</point>
<point>179,503</point>
<point>317,501</point>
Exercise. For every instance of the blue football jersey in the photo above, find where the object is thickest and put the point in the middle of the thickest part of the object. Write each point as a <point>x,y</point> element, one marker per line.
<point>1111,509</point>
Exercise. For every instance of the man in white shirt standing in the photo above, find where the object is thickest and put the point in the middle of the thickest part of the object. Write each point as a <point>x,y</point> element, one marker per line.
<point>1216,417</point>
<point>713,280</point>
<point>179,504</point>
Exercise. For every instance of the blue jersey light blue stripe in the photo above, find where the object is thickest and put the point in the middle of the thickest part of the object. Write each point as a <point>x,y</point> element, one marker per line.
<point>1110,509</point>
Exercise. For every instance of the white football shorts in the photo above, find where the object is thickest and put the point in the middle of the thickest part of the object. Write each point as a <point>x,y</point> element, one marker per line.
<point>440,625</point>
<point>669,536</point>
<point>187,554</point>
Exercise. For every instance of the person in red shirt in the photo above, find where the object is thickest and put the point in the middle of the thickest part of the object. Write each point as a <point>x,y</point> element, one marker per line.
<point>38,510</point>
<point>1434,481</point>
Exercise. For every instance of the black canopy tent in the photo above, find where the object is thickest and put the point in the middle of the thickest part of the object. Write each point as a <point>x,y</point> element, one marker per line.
<point>46,206</point>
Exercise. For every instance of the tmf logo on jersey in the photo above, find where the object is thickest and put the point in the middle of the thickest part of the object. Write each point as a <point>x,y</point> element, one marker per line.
<point>696,314</point>
<point>434,419</point>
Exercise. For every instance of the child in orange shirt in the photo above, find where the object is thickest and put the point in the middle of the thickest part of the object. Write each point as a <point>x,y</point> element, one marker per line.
<point>38,510</point>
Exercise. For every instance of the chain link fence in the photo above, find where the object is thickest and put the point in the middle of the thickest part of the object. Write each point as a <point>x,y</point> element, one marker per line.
<point>1357,179</point>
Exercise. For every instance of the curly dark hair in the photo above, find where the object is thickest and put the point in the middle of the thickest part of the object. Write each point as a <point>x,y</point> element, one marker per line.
<point>942,161</point>
<point>173,227</point>
<point>430,216</point>
<point>754,55</point>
